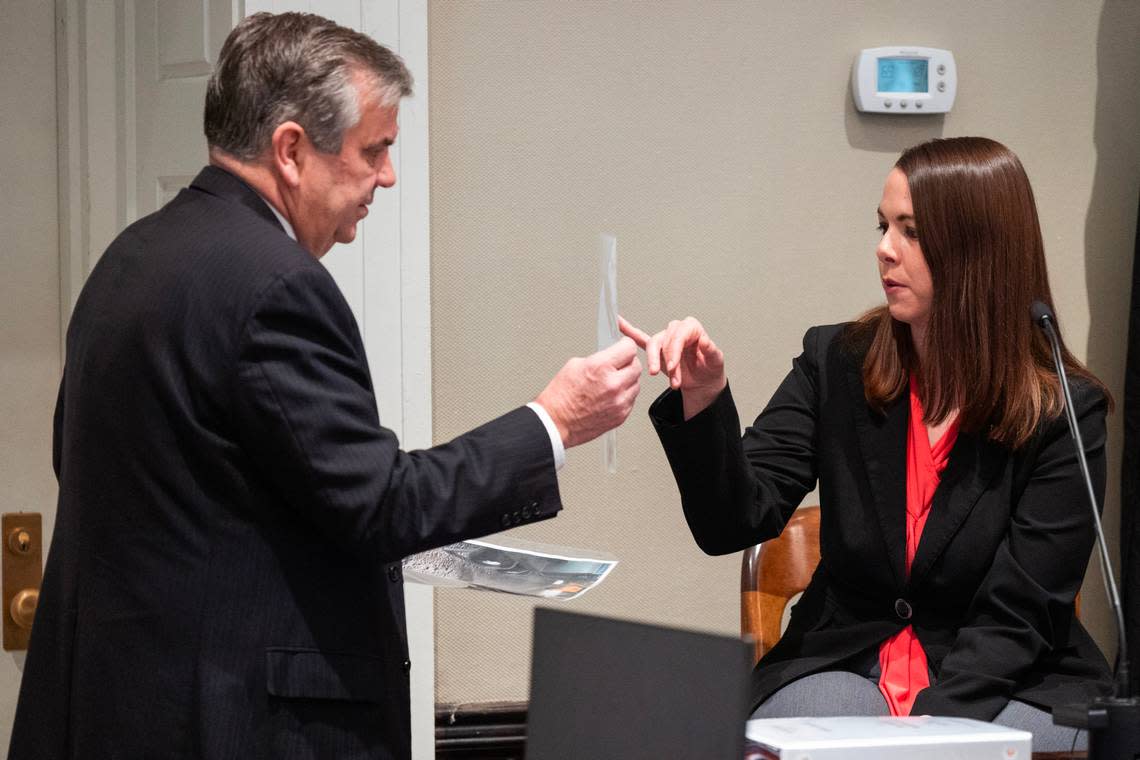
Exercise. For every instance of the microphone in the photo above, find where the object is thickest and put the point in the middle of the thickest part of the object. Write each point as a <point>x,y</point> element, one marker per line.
<point>1113,723</point>
<point>1041,314</point>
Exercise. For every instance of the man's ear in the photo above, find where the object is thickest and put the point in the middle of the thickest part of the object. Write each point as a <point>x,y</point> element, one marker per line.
<point>288,148</point>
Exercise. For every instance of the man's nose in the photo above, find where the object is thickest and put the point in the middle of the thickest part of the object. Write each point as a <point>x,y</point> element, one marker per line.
<point>386,177</point>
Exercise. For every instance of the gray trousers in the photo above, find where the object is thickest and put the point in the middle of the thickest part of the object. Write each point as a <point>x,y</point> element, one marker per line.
<point>838,692</point>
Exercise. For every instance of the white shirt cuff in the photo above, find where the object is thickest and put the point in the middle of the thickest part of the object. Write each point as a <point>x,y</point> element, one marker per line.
<point>556,446</point>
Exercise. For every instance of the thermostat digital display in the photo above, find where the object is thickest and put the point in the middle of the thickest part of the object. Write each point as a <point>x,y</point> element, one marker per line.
<point>902,74</point>
<point>904,80</point>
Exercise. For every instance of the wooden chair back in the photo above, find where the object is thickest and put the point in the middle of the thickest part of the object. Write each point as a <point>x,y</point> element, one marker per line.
<point>773,572</point>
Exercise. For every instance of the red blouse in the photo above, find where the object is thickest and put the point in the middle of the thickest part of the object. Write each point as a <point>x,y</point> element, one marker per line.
<point>902,661</point>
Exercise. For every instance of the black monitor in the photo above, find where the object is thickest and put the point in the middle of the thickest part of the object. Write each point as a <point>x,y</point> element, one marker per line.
<point>603,688</point>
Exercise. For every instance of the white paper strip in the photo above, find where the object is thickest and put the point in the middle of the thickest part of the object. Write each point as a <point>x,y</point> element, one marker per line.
<point>608,333</point>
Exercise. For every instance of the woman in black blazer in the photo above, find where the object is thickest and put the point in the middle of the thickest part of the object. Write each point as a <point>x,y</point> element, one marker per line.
<point>987,589</point>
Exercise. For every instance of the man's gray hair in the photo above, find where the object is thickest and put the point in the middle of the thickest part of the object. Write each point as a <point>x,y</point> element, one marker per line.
<point>295,67</point>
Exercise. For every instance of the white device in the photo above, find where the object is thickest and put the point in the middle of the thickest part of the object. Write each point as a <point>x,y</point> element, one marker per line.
<point>904,80</point>
<point>930,737</point>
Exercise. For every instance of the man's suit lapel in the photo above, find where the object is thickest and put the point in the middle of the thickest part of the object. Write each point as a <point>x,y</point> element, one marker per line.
<point>974,462</point>
<point>882,442</point>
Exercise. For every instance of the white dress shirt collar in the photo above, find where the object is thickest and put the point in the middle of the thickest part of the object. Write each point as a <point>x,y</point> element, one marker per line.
<point>280,217</point>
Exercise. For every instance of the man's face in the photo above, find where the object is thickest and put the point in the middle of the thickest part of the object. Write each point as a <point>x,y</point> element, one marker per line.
<point>336,188</point>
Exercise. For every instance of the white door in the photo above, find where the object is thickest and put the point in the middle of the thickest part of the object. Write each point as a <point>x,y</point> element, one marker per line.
<point>131,81</point>
<point>29,281</point>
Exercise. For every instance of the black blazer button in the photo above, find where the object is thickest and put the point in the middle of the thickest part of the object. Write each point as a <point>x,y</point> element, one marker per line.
<point>394,573</point>
<point>903,609</point>
<point>407,666</point>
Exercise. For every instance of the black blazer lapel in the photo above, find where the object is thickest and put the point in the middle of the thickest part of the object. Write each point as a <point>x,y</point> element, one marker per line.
<point>974,462</point>
<point>882,442</point>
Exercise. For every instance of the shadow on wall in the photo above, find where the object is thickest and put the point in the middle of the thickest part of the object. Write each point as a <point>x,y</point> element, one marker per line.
<point>1110,222</point>
<point>1110,226</point>
<point>884,133</point>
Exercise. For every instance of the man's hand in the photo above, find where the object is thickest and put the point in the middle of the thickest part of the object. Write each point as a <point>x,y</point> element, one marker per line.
<point>593,395</point>
<point>693,363</point>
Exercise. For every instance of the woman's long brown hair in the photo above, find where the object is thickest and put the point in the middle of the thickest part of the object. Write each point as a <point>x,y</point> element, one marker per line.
<point>979,231</point>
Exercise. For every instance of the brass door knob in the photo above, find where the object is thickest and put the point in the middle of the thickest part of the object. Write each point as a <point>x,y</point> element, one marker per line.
<point>23,607</point>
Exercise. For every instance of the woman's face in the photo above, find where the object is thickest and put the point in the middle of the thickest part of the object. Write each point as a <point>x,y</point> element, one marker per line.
<point>902,265</point>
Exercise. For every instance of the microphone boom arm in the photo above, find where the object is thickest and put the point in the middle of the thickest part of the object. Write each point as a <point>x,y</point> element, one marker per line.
<point>1123,682</point>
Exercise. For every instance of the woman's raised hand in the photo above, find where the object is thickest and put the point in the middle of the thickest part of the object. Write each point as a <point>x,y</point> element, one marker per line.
<point>688,356</point>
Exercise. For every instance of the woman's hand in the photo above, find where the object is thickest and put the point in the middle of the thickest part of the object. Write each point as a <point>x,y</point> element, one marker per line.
<point>688,356</point>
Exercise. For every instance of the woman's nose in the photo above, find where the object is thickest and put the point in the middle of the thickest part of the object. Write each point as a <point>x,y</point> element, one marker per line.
<point>884,252</point>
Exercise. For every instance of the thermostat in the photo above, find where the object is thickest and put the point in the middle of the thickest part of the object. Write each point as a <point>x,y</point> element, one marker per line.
<point>904,80</point>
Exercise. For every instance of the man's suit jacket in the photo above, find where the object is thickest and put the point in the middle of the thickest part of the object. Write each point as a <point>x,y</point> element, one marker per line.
<point>990,593</point>
<point>224,580</point>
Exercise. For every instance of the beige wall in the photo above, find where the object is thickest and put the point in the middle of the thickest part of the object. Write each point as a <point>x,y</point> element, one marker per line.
<point>717,140</point>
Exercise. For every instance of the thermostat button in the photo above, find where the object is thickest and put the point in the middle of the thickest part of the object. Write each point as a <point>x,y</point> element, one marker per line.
<point>942,87</point>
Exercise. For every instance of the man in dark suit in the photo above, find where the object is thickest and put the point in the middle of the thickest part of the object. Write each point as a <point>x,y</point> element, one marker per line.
<point>224,579</point>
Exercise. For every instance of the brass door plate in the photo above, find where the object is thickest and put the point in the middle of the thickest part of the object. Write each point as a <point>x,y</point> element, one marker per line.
<point>21,562</point>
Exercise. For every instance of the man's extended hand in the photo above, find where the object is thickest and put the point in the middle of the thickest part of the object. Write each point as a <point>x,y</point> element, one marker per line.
<point>693,363</point>
<point>592,395</point>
